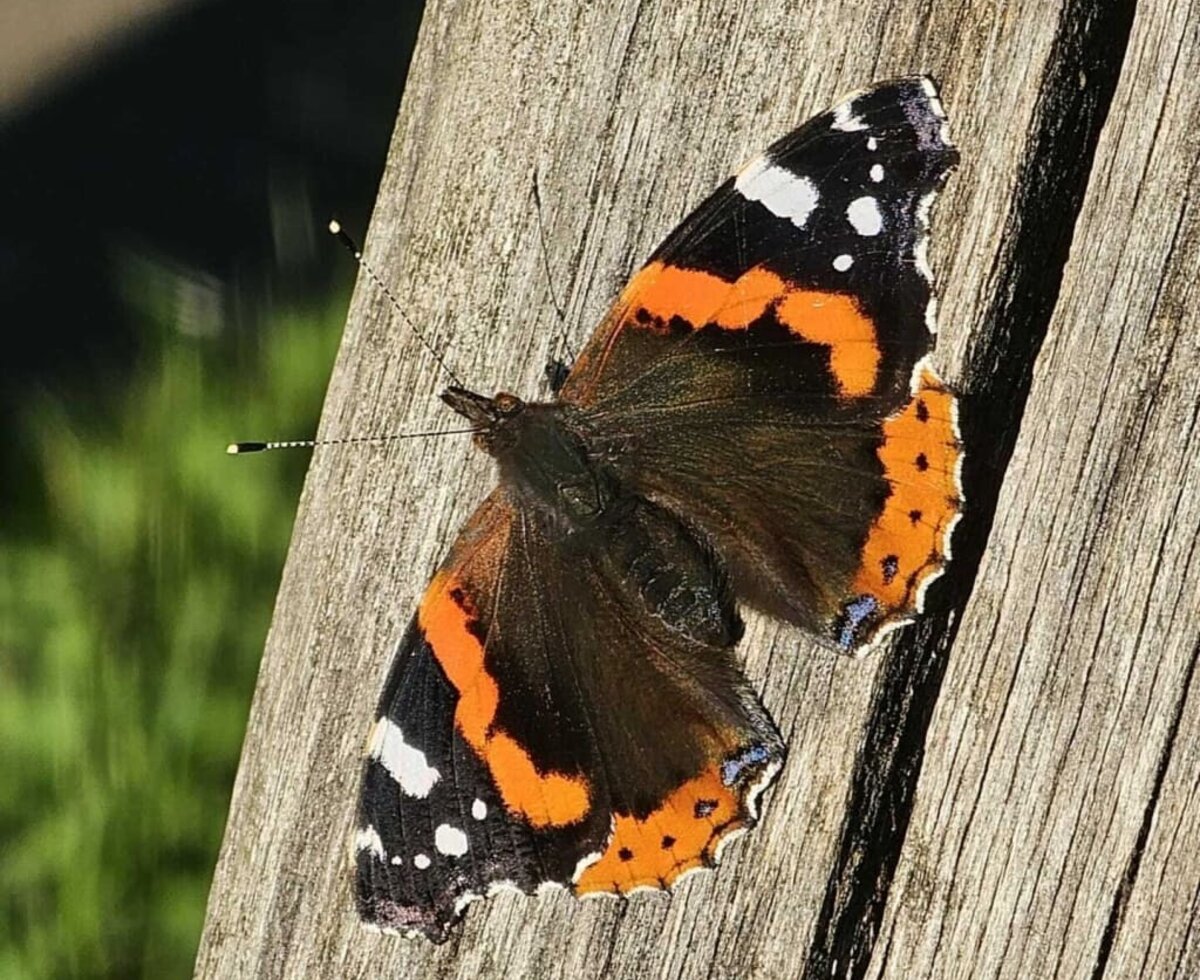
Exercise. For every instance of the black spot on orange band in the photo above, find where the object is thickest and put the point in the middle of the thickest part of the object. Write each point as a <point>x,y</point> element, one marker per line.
<point>906,544</point>
<point>693,819</point>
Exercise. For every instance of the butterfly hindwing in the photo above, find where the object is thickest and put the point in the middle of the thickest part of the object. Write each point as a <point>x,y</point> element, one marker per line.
<point>767,355</point>
<point>434,831</point>
<point>517,741</point>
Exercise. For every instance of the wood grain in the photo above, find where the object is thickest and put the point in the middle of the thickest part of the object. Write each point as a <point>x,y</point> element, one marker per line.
<point>631,112</point>
<point>1056,824</point>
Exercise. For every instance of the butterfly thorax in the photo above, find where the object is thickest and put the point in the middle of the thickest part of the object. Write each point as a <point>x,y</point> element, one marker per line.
<point>543,456</point>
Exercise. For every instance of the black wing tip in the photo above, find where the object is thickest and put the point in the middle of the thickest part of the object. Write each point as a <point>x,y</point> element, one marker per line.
<point>921,89</point>
<point>914,100</point>
<point>381,909</point>
<point>382,914</point>
<point>922,84</point>
<point>901,116</point>
<point>919,97</point>
<point>928,117</point>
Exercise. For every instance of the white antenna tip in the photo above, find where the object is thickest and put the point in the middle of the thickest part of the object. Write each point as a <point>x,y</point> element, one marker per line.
<point>335,227</point>
<point>232,449</point>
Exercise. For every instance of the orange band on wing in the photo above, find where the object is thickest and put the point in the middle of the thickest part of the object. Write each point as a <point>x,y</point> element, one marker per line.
<point>667,291</point>
<point>833,320</point>
<point>543,799</point>
<point>920,455</point>
<point>680,835</point>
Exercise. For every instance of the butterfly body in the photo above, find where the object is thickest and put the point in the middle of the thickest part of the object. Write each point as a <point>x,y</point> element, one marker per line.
<point>552,470</point>
<point>755,423</point>
<point>543,456</point>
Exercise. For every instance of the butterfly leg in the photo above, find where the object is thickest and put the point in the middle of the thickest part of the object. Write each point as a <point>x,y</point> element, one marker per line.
<point>556,373</point>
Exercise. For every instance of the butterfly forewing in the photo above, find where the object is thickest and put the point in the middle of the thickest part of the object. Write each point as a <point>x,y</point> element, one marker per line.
<point>758,369</point>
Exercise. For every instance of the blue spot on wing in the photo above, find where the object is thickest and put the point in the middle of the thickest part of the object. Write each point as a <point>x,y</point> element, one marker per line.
<point>856,611</point>
<point>753,756</point>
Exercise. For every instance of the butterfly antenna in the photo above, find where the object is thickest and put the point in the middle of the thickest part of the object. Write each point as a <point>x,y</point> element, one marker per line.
<point>561,344</point>
<point>242,448</point>
<point>349,244</point>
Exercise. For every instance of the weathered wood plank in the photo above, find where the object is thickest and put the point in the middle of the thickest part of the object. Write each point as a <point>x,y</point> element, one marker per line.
<point>1056,831</point>
<point>631,112</point>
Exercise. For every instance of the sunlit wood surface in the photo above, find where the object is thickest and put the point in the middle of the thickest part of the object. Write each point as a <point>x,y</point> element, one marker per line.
<point>1011,788</point>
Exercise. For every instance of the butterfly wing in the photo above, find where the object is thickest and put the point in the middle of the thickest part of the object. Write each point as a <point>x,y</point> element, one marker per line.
<point>434,831</point>
<point>765,373</point>
<point>538,727</point>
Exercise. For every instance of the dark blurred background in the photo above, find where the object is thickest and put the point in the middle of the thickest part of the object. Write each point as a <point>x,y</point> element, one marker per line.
<point>166,286</point>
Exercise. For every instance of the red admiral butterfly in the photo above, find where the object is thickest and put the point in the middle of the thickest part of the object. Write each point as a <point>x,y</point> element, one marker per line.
<point>755,421</point>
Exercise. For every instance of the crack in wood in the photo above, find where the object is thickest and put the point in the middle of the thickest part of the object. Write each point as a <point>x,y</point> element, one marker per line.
<point>1120,900</point>
<point>1090,43</point>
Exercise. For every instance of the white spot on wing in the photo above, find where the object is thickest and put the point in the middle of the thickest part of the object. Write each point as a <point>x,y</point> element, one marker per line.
<point>920,248</point>
<point>407,765</point>
<point>845,119</point>
<point>450,841</point>
<point>464,900</point>
<point>421,861</point>
<point>872,143</point>
<point>843,262</point>
<point>479,809</point>
<point>367,839</point>
<point>921,257</point>
<point>863,214</point>
<point>780,191</point>
<point>931,93</point>
<point>877,172</point>
<point>935,105</point>
<point>756,788</point>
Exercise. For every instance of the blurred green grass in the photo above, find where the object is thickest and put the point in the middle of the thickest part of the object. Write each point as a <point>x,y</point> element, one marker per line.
<point>138,571</point>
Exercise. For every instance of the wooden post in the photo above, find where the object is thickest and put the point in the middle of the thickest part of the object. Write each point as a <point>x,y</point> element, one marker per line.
<point>1010,788</point>
<point>1057,824</point>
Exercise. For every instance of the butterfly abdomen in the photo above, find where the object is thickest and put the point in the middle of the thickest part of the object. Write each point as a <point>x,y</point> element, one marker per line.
<point>681,581</point>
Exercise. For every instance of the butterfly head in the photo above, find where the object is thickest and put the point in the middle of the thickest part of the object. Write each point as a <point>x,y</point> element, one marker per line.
<point>495,420</point>
<point>485,414</point>
<point>542,454</point>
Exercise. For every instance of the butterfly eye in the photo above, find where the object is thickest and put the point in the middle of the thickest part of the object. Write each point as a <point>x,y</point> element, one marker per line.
<point>507,404</point>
